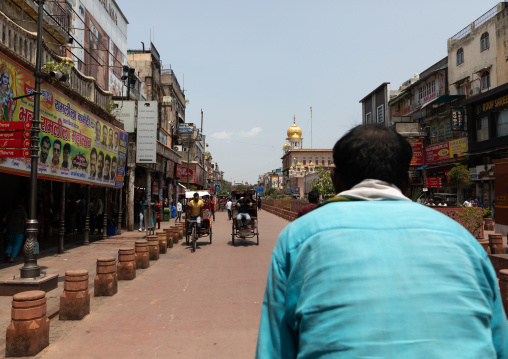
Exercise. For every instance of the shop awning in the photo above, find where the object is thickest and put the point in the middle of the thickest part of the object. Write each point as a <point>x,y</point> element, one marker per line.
<point>442,99</point>
<point>401,95</point>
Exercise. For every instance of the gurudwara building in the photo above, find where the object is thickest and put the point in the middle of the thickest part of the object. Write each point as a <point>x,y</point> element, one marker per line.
<point>299,164</point>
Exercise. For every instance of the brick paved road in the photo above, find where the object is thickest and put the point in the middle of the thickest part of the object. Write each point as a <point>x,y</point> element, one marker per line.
<point>191,305</point>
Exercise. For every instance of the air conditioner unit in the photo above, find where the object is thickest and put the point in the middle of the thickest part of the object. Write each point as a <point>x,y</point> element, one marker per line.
<point>474,91</point>
<point>177,148</point>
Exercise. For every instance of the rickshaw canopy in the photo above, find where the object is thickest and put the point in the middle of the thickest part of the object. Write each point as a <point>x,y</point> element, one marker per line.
<point>190,194</point>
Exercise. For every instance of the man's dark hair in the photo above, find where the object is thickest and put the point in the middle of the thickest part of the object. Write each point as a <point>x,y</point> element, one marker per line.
<point>57,142</point>
<point>108,158</point>
<point>104,127</point>
<point>94,151</point>
<point>313,197</point>
<point>372,152</point>
<point>101,154</point>
<point>195,194</point>
<point>67,147</point>
<point>113,159</point>
<point>45,139</point>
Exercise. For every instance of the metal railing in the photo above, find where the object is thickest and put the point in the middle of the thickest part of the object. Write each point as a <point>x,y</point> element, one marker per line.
<point>477,23</point>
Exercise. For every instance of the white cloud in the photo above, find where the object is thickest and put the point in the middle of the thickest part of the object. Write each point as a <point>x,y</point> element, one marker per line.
<point>251,133</point>
<point>222,135</point>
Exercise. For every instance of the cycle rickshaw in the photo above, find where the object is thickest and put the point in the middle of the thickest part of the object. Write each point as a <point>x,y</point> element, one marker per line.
<point>192,231</point>
<point>240,229</point>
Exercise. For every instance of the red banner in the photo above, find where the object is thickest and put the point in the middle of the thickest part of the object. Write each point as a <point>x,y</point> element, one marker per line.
<point>5,135</point>
<point>433,182</point>
<point>182,172</point>
<point>437,153</point>
<point>14,153</point>
<point>417,146</point>
<point>16,125</point>
<point>14,143</point>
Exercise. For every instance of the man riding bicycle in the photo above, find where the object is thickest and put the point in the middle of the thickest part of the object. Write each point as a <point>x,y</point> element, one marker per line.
<point>196,209</point>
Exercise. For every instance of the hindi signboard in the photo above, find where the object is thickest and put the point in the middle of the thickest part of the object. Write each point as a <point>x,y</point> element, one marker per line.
<point>75,145</point>
<point>146,144</point>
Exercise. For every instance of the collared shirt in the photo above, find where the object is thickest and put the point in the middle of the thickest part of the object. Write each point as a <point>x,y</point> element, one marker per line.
<point>387,278</point>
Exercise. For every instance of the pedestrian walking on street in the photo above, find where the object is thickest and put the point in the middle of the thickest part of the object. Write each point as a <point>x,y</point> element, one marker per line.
<point>313,203</point>
<point>212,207</point>
<point>143,204</point>
<point>15,220</point>
<point>229,205</point>
<point>369,273</point>
<point>179,211</point>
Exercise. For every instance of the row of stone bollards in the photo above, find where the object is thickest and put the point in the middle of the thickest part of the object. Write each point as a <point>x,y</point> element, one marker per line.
<point>28,332</point>
<point>281,212</point>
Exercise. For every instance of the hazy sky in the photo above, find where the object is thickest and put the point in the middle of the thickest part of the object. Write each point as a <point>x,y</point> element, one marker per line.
<point>252,65</point>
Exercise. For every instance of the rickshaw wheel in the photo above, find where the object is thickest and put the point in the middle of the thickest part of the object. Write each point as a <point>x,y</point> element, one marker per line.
<point>186,236</point>
<point>257,235</point>
<point>194,237</point>
<point>210,230</point>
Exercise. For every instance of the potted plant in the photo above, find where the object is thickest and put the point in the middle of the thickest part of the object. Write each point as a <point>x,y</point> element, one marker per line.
<point>472,219</point>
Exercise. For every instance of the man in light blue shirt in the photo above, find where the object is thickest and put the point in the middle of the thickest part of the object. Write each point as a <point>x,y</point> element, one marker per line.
<point>370,274</point>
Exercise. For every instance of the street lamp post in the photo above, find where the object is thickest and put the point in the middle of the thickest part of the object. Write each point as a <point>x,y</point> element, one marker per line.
<point>30,268</point>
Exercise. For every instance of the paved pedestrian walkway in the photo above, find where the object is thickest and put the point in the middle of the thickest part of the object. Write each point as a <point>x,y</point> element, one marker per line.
<point>195,305</point>
<point>75,256</point>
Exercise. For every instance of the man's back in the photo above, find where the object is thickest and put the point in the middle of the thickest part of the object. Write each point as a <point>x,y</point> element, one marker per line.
<point>383,279</point>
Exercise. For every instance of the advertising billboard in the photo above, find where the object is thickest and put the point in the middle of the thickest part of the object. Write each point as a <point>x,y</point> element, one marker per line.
<point>74,145</point>
<point>146,145</point>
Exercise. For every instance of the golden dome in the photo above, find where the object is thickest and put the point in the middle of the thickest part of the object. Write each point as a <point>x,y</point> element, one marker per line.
<point>291,168</point>
<point>286,145</point>
<point>295,137</point>
<point>298,164</point>
<point>294,130</point>
<point>311,164</point>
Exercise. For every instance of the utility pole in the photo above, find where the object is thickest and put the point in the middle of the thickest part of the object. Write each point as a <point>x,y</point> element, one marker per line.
<point>311,127</point>
<point>30,268</point>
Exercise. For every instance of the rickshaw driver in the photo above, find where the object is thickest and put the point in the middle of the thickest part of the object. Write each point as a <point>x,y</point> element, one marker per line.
<point>196,209</point>
<point>243,205</point>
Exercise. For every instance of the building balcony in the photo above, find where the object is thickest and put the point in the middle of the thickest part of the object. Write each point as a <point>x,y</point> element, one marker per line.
<point>21,44</point>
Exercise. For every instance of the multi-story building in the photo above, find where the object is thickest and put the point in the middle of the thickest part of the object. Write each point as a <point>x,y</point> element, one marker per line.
<point>478,71</point>
<point>152,161</point>
<point>82,145</point>
<point>299,164</point>
<point>375,105</point>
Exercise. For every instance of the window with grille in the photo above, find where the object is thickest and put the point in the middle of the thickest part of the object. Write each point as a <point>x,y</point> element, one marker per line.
<point>380,114</point>
<point>502,124</point>
<point>367,118</point>
<point>482,129</point>
<point>460,56</point>
<point>485,81</point>
<point>484,42</point>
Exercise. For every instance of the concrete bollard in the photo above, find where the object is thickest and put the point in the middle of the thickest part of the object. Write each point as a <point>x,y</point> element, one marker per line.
<point>496,244</point>
<point>503,287</point>
<point>175,234</point>
<point>163,244</point>
<point>153,247</point>
<point>142,256</point>
<point>75,299</point>
<point>106,279</point>
<point>28,332</point>
<point>169,237</point>
<point>126,268</point>
<point>179,230</point>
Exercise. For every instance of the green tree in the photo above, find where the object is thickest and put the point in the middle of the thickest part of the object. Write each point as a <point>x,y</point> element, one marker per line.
<point>271,193</point>
<point>323,184</point>
<point>459,177</point>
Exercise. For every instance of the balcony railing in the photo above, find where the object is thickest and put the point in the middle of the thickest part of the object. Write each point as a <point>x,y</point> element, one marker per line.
<point>16,40</point>
<point>477,23</point>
